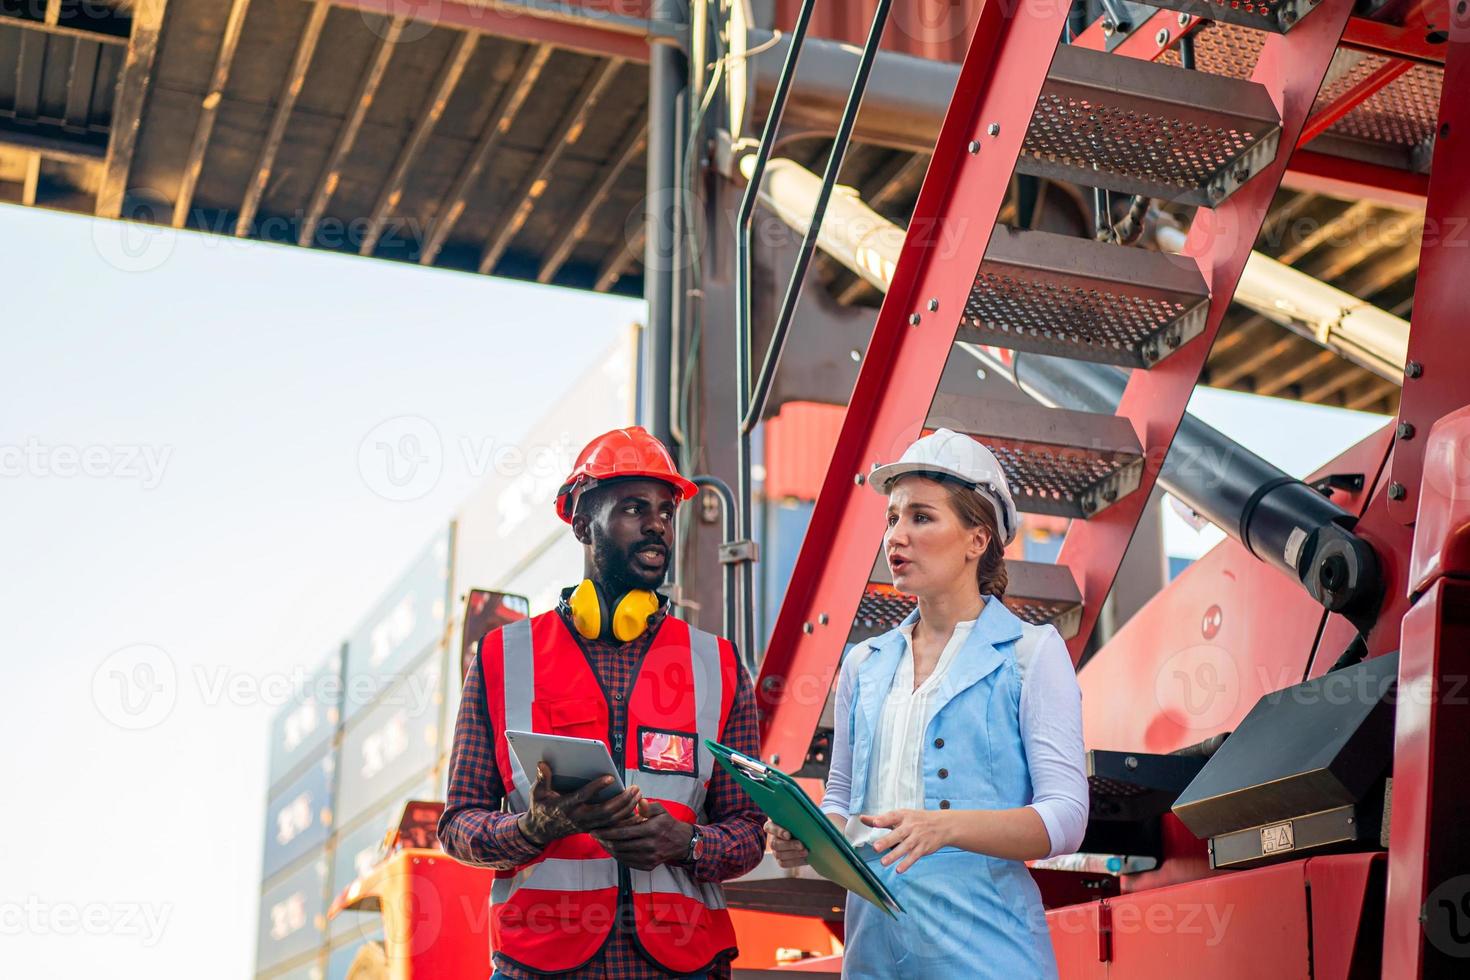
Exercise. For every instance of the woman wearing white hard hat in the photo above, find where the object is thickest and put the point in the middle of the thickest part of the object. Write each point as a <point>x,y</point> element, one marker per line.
<point>957,752</point>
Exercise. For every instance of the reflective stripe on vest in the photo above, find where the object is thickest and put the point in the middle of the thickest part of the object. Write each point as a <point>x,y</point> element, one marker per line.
<point>520,688</point>
<point>678,882</point>
<point>560,874</point>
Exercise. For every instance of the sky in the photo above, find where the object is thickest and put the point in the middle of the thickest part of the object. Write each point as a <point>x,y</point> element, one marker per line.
<point>187,489</point>
<point>187,426</point>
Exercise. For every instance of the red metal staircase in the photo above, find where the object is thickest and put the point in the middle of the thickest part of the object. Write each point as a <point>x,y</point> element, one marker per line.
<point>1026,104</point>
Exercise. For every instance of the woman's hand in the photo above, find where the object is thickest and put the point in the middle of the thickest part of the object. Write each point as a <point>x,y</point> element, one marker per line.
<point>912,834</point>
<point>790,852</point>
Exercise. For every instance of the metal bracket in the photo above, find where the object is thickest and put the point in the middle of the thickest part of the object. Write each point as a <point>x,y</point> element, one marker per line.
<point>1136,15</point>
<point>739,552</point>
<point>1351,482</point>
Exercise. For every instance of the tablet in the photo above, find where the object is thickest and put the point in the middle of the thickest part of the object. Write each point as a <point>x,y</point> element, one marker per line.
<point>574,762</point>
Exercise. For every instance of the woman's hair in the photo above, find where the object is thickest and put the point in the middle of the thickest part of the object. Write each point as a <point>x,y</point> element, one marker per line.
<point>974,510</point>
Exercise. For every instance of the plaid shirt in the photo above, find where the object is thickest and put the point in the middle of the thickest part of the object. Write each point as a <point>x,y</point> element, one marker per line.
<point>474,829</point>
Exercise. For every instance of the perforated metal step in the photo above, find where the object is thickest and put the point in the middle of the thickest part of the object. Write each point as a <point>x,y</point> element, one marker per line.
<point>1056,461</point>
<point>1140,127</point>
<point>1273,16</point>
<point>1037,592</point>
<point>1073,297</point>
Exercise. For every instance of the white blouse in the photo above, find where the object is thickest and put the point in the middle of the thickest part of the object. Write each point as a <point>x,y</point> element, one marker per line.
<point>1051,733</point>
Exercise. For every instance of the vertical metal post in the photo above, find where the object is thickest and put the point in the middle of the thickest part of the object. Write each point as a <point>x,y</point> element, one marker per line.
<point>744,520</point>
<point>668,76</point>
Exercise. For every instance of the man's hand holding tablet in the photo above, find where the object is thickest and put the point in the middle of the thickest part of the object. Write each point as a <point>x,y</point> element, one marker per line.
<point>554,815</point>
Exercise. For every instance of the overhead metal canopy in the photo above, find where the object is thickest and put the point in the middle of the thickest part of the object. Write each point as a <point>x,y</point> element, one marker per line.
<point>504,138</point>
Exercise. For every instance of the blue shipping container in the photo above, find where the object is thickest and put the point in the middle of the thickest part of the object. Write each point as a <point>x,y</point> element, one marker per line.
<point>339,960</point>
<point>304,725</point>
<point>394,742</point>
<point>298,819</point>
<point>357,850</point>
<point>408,620</point>
<point>293,917</point>
<point>314,969</point>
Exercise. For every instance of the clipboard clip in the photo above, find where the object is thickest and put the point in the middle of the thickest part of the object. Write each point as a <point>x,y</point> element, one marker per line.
<point>753,768</point>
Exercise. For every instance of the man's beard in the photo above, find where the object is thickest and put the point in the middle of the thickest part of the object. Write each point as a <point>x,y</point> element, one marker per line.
<point>616,569</point>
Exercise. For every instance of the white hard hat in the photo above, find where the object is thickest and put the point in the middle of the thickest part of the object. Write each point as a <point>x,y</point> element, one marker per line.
<point>945,453</point>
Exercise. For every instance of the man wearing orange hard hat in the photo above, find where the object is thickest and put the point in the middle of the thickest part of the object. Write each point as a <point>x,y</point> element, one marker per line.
<point>628,887</point>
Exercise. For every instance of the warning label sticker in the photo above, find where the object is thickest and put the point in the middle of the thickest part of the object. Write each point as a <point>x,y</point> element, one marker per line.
<point>1277,838</point>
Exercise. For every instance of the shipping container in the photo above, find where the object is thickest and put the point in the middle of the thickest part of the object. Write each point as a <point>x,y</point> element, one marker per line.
<point>785,523</point>
<point>298,819</point>
<point>511,518</point>
<point>314,968</point>
<point>293,916</point>
<point>339,960</point>
<point>357,851</point>
<point>409,619</point>
<point>307,723</point>
<point>393,743</point>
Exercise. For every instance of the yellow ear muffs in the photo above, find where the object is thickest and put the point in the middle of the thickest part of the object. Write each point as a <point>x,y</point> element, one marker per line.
<point>627,620</point>
<point>631,616</point>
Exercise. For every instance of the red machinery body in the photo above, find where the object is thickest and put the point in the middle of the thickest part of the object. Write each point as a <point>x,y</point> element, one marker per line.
<point>1228,631</point>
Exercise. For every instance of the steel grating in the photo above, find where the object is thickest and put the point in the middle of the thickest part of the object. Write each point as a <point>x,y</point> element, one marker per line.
<point>1140,127</point>
<point>1275,16</point>
<point>1222,49</point>
<point>1404,112</point>
<point>1072,297</point>
<point>1056,461</point>
<point>1038,593</point>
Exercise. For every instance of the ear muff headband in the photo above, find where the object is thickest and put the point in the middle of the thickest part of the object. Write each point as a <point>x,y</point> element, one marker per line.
<point>626,620</point>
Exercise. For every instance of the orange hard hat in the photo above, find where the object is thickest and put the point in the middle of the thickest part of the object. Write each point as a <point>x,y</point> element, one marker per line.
<point>621,453</point>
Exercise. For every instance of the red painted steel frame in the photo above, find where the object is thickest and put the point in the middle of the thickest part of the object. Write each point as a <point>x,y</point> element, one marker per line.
<point>1291,67</point>
<point>590,37</point>
<point>999,83</point>
<point>1354,180</point>
<point>1323,119</point>
<point>1436,339</point>
<point>1143,42</point>
<point>1429,852</point>
<point>1426,852</point>
<point>1408,39</point>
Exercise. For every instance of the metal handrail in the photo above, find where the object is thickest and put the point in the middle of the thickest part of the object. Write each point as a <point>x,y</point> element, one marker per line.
<point>751,404</point>
<point>727,575</point>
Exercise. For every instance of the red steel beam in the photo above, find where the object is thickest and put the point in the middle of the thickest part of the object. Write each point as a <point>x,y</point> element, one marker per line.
<point>1410,38</point>
<point>1439,359</point>
<point>1423,928</point>
<point>1322,173</point>
<point>1323,119</point>
<point>1143,42</point>
<point>591,32</point>
<point>958,206</point>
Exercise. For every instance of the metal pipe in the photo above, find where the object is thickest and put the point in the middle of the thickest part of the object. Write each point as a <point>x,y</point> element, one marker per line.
<point>744,344</point>
<point>1356,330</point>
<point>667,80</point>
<point>819,212</point>
<point>727,569</point>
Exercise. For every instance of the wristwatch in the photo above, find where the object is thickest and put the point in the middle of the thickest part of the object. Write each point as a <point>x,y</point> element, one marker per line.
<point>696,846</point>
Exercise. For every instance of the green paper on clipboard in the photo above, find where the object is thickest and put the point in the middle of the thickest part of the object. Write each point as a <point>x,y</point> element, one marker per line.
<point>828,850</point>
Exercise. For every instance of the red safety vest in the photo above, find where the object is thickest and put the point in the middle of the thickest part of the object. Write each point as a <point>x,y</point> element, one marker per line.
<point>556,913</point>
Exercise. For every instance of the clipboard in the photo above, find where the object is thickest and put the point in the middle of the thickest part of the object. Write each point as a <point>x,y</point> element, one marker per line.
<point>786,803</point>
